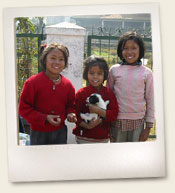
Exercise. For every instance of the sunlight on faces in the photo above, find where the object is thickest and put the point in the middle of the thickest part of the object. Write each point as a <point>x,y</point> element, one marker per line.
<point>95,76</point>
<point>131,51</point>
<point>55,63</point>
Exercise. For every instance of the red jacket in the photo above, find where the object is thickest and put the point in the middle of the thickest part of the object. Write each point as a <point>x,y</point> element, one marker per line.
<point>38,99</point>
<point>101,131</point>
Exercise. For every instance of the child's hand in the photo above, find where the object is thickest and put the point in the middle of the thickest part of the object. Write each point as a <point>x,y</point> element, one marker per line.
<point>94,122</point>
<point>71,117</point>
<point>112,139</point>
<point>97,110</point>
<point>54,120</point>
<point>93,108</point>
<point>145,134</point>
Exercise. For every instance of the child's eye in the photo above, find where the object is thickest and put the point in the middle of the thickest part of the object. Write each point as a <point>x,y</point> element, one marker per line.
<point>91,73</point>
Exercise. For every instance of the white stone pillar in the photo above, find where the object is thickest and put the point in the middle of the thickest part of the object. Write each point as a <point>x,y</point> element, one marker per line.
<point>73,37</point>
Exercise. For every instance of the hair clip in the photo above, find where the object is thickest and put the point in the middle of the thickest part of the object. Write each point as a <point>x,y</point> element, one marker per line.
<point>45,45</point>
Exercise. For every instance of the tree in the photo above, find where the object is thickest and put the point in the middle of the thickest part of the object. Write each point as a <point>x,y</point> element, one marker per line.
<point>27,48</point>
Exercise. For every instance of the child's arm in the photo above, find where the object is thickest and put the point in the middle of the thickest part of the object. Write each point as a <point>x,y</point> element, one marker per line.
<point>71,115</point>
<point>145,134</point>
<point>149,97</point>
<point>110,80</point>
<point>26,106</point>
<point>29,113</point>
<point>80,106</point>
<point>93,123</point>
<point>54,120</point>
<point>112,109</point>
<point>97,110</point>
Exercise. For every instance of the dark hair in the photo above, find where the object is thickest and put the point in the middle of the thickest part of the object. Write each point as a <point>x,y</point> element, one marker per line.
<point>131,36</point>
<point>44,51</point>
<point>95,61</point>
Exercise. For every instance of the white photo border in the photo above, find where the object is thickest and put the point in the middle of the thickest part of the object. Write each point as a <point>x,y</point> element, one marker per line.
<point>87,161</point>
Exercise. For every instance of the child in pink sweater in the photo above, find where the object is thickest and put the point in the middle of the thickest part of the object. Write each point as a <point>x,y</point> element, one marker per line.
<point>132,84</point>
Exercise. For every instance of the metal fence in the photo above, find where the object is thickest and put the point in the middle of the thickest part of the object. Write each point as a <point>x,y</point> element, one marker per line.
<point>102,44</point>
<point>27,54</point>
<point>105,44</point>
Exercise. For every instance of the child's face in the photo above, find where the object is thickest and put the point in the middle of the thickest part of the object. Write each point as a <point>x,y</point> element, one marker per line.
<point>55,62</point>
<point>95,76</point>
<point>131,51</point>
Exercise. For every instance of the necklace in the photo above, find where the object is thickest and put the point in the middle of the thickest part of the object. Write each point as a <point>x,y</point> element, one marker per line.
<point>57,80</point>
<point>59,77</point>
<point>54,81</point>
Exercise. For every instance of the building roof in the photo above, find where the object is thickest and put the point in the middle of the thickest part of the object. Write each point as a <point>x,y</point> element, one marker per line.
<point>66,25</point>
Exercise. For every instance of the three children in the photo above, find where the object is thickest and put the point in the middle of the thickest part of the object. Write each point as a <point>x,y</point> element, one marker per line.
<point>130,112</point>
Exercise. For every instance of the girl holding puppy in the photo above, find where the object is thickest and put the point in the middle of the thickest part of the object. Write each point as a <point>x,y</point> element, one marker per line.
<point>47,98</point>
<point>97,130</point>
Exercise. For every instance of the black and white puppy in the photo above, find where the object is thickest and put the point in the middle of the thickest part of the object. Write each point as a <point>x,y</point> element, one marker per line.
<point>94,99</point>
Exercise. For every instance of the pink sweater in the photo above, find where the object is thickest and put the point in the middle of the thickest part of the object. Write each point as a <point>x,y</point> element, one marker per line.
<point>133,88</point>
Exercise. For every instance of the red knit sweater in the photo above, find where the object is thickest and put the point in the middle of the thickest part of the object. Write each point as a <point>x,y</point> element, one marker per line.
<point>38,99</point>
<point>102,130</point>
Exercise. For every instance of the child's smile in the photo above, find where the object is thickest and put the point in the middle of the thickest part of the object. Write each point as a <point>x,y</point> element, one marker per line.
<point>95,76</point>
<point>130,51</point>
<point>55,63</point>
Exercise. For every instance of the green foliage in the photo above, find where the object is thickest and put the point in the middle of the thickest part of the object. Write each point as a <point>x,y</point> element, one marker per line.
<point>26,50</point>
<point>24,25</point>
<point>150,62</point>
<point>27,54</point>
<point>29,25</point>
<point>110,55</point>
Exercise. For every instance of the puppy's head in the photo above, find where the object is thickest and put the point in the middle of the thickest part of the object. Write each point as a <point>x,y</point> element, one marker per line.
<point>93,99</point>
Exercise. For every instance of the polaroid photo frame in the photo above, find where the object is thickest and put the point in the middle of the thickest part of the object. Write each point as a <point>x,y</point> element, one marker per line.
<point>87,161</point>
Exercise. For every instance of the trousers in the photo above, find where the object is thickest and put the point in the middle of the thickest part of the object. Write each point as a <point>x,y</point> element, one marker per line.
<point>127,136</point>
<point>46,138</point>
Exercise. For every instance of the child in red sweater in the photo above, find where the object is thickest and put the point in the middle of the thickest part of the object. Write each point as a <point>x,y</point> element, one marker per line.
<point>47,98</point>
<point>96,130</point>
